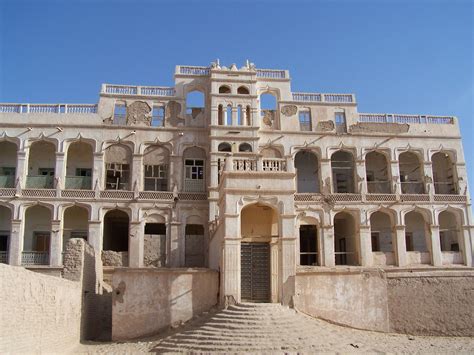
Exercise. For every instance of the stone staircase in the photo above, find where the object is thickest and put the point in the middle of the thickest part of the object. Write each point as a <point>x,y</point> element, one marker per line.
<point>245,327</point>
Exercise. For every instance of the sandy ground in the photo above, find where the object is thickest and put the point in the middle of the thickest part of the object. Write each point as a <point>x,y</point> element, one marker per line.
<point>318,337</point>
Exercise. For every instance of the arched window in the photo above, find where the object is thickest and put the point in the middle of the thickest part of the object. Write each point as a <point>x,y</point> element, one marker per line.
<point>229,115</point>
<point>224,147</point>
<point>41,165</point>
<point>449,233</point>
<point>224,89</point>
<point>156,165</point>
<point>416,236</point>
<point>411,176</point>
<point>37,236</point>
<point>79,164</point>
<point>240,116</point>
<point>76,224</point>
<point>194,169</point>
<point>381,230</point>
<point>345,239</point>
<point>376,170</point>
<point>118,159</point>
<point>342,165</point>
<point>245,147</point>
<point>194,102</point>
<point>444,174</point>
<point>307,172</point>
<point>220,115</point>
<point>116,231</point>
<point>242,90</point>
<point>5,232</point>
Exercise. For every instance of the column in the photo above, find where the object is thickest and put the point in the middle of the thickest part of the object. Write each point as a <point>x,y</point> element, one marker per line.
<point>136,243</point>
<point>290,165</point>
<point>214,171</point>
<point>16,242</point>
<point>230,273</point>
<point>436,257</point>
<point>21,169</point>
<point>329,258</point>
<point>395,176</point>
<point>365,245</point>
<point>173,258</point>
<point>466,245</point>
<point>98,176</point>
<point>59,172</point>
<point>175,173</point>
<point>136,180</point>
<point>274,266</point>
<point>56,244</point>
<point>94,237</point>
<point>361,184</point>
<point>288,259</point>
<point>400,247</point>
<point>427,178</point>
<point>326,176</point>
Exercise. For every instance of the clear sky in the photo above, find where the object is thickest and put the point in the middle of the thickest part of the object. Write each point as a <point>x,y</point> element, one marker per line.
<point>397,56</point>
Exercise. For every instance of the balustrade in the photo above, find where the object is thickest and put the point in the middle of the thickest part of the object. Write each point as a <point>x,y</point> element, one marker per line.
<point>245,164</point>
<point>35,258</point>
<point>137,90</point>
<point>408,119</point>
<point>271,74</point>
<point>378,187</point>
<point>193,70</point>
<point>274,164</point>
<point>49,108</point>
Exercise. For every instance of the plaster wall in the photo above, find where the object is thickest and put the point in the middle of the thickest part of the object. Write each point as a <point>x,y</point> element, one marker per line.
<point>146,301</point>
<point>40,313</point>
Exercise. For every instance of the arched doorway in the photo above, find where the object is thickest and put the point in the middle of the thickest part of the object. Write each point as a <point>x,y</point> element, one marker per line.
<point>307,172</point>
<point>345,239</point>
<point>259,233</point>
<point>115,242</point>
<point>37,236</point>
<point>417,238</point>
<point>76,224</point>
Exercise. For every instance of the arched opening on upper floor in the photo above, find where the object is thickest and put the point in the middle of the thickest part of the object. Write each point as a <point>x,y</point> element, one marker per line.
<point>411,173</point>
<point>36,236</point>
<point>376,170</point>
<point>79,165</point>
<point>156,168</point>
<point>342,165</point>
<point>154,254</point>
<point>268,109</point>
<point>240,116</point>
<point>444,174</point>
<point>120,113</point>
<point>272,160</point>
<point>194,244</point>
<point>224,147</point>
<point>220,115</point>
<point>242,90</point>
<point>224,89</point>
<point>76,224</point>
<point>345,239</point>
<point>450,235</point>
<point>158,116</point>
<point>194,169</point>
<point>195,103</point>
<point>5,232</point>
<point>118,162</point>
<point>245,148</point>
<point>228,115</point>
<point>8,163</point>
<point>307,172</point>
<point>115,238</point>
<point>417,238</point>
<point>382,238</point>
<point>41,165</point>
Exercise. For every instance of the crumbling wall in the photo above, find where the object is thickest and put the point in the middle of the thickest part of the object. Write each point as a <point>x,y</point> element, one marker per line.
<point>39,313</point>
<point>114,258</point>
<point>437,303</point>
<point>147,300</point>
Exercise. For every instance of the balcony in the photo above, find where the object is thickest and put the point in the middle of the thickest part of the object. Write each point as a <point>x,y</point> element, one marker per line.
<point>35,258</point>
<point>78,183</point>
<point>40,182</point>
<point>7,181</point>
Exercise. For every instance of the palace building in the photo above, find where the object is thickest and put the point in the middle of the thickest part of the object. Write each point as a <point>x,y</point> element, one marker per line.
<point>233,171</point>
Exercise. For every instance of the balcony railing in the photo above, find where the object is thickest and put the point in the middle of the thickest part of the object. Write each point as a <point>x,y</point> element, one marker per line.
<point>245,164</point>
<point>48,108</point>
<point>134,90</point>
<point>193,70</point>
<point>378,187</point>
<point>78,182</point>
<point>39,182</point>
<point>7,181</point>
<point>35,258</point>
<point>4,257</point>
<point>272,74</point>
<point>409,119</point>
<point>274,164</point>
<point>318,97</point>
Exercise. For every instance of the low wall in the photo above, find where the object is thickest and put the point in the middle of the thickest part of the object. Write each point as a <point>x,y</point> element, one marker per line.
<point>431,303</point>
<point>145,301</point>
<point>357,298</point>
<point>39,313</point>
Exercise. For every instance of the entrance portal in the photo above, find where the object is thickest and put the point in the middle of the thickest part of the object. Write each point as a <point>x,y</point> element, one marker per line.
<point>255,272</point>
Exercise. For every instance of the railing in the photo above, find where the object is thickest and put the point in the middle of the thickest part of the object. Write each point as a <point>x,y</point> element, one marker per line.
<point>274,164</point>
<point>317,97</point>
<point>186,196</point>
<point>7,181</point>
<point>49,108</point>
<point>409,119</point>
<point>78,194</point>
<point>378,187</point>
<point>7,192</point>
<point>137,90</point>
<point>40,182</point>
<point>78,182</point>
<point>4,257</point>
<point>155,195</point>
<point>35,258</point>
<point>193,70</point>
<point>244,164</point>
<point>271,74</point>
<point>117,194</point>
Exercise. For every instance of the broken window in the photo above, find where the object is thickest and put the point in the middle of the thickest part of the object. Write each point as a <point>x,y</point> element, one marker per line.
<point>345,239</point>
<point>116,226</point>
<point>117,176</point>
<point>308,245</point>
<point>342,165</point>
<point>158,116</point>
<point>376,169</point>
<point>305,120</point>
<point>444,174</point>
<point>194,102</point>
<point>120,114</point>
<point>381,232</point>
<point>154,253</point>
<point>340,120</point>
<point>307,172</point>
<point>156,177</point>
<point>415,232</point>
<point>411,174</point>
<point>448,231</point>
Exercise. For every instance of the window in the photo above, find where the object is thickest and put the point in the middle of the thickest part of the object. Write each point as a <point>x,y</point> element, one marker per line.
<point>409,241</point>
<point>194,102</point>
<point>308,245</point>
<point>245,147</point>
<point>41,240</point>
<point>156,177</point>
<point>375,241</point>
<point>224,89</point>
<point>305,120</point>
<point>120,113</point>
<point>158,117</point>
<point>46,172</point>
<point>340,119</point>
<point>194,169</point>
<point>229,115</point>
<point>117,176</point>
<point>224,147</point>
<point>242,90</point>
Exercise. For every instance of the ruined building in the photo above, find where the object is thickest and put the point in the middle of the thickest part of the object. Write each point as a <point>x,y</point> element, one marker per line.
<point>232,170</point>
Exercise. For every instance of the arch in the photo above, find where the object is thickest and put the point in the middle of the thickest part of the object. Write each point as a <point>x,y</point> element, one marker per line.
<point>228,115</point>
<point>245,148</point>
<point>118,162</point>
<point>411,173</point>
<point>450,235</point>
<point>444,174</point>
<point>345,239</point>
<point>377,173</point>
<point>194,169</point>
<point>270,152</point>
<point>259,220</point>
<point>116,231</point>
<point>79,166</point>
<point>220,115</point>
<point>243,90</point>
<point>382,233</point>
<point>37,235</point>
<point>307,172</point>
<point>8,163</point>
<point>224,89</point>
<point>41,165</point>
<point>417,237</point>
<point>224,147</point>
<point>343,172</point>
<point>195,100</point>
<point>156,166</point>
<point>6,215</point>
<point>75,223</point>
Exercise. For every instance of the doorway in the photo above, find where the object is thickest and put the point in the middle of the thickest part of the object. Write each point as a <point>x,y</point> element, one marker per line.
<point>255,272</point>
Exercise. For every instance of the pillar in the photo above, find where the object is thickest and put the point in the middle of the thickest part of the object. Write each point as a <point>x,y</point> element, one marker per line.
<point>365,246</point>
<point>361,184</point>
<point>427,178</point>
<point>290,165</point>
<point>288,259</point>
<point>435,246</point>
<point>21,168</point>
<point>326,176</point>
<point>98,176</point>
<point>467,247</point>
<point>230,272</point>
<point>136,180</point>
<point>59,171</point>
<point>328,246</point>
<point>16,242</point>
<point>395,176</point>
<point>175,173</point>
<point>275,261</point>
<point>400,246</point>
<point>173,253</point>
<point>94,237</point>
<point>136,244</point>
<point>234,116</point>
<point>56,244</point>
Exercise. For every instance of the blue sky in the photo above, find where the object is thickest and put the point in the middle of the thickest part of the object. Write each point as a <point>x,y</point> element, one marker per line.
<point>396,56</point>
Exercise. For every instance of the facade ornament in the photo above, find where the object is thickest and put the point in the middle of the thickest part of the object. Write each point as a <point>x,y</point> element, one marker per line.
<point>289,110</point>
<point>138,112</point>
<point>268,117</point>
<point>325,126</point>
